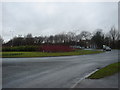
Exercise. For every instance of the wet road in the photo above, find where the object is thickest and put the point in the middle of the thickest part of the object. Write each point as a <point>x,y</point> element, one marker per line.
<point>52,72</point>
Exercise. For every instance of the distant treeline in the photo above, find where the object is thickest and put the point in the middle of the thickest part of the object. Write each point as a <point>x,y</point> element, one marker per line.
<point>84,39</point>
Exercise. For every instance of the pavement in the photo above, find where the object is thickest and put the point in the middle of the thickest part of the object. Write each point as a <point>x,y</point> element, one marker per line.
<point>54,72</point>
<point>107,82</point>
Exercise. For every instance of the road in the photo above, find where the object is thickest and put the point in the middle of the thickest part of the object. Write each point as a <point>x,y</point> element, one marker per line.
<point>52,72</point>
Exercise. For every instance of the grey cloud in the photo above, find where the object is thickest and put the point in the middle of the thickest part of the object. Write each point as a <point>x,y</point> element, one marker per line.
<point>53,18</point>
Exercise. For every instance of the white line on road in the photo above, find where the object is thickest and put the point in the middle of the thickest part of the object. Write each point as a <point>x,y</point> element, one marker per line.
<point>84,78</point>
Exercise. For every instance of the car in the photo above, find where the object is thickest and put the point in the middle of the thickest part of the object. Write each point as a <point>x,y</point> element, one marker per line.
<point>76,47</point>
<point>108,48</point>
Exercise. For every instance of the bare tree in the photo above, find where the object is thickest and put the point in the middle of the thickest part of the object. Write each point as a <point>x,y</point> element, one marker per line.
<point>51,39</point>
<point>71,36</point>
<point>113,34</point>
<point>18,41</point>
<point>38,40</point>
<point>1,40</point>
<point>98,38</point>
<point>29,40</point>
<point>85,34</point>
<point>118,35</point>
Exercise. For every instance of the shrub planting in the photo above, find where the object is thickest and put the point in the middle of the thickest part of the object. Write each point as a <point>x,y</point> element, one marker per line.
<point>56,48</point>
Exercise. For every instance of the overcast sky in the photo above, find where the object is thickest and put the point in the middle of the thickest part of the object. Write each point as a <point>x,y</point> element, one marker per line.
<point>52,18</point>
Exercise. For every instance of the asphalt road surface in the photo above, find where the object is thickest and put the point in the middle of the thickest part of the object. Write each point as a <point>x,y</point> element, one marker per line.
<point>52,72</point>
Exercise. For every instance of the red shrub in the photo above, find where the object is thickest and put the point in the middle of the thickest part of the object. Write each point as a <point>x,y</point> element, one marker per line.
<point>56,48</point>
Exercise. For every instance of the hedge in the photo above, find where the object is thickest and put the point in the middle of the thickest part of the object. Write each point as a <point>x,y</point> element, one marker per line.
<point>20,48</point>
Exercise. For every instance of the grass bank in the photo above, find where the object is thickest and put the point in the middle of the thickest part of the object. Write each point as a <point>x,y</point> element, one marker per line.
<point>46,54</point>
<point>106,71</point>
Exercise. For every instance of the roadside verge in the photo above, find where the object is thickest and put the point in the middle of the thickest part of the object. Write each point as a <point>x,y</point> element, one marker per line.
<point>106,77</point>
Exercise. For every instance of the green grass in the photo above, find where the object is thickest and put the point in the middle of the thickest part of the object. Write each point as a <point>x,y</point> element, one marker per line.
<point>45,54</point>
<point>106,71</point>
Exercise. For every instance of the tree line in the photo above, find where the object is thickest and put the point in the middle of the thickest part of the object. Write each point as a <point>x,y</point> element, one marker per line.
<point>84,39</point>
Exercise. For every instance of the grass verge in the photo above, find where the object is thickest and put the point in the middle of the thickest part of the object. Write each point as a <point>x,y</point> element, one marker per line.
<point>45,54</point>
<point>106,71</point>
